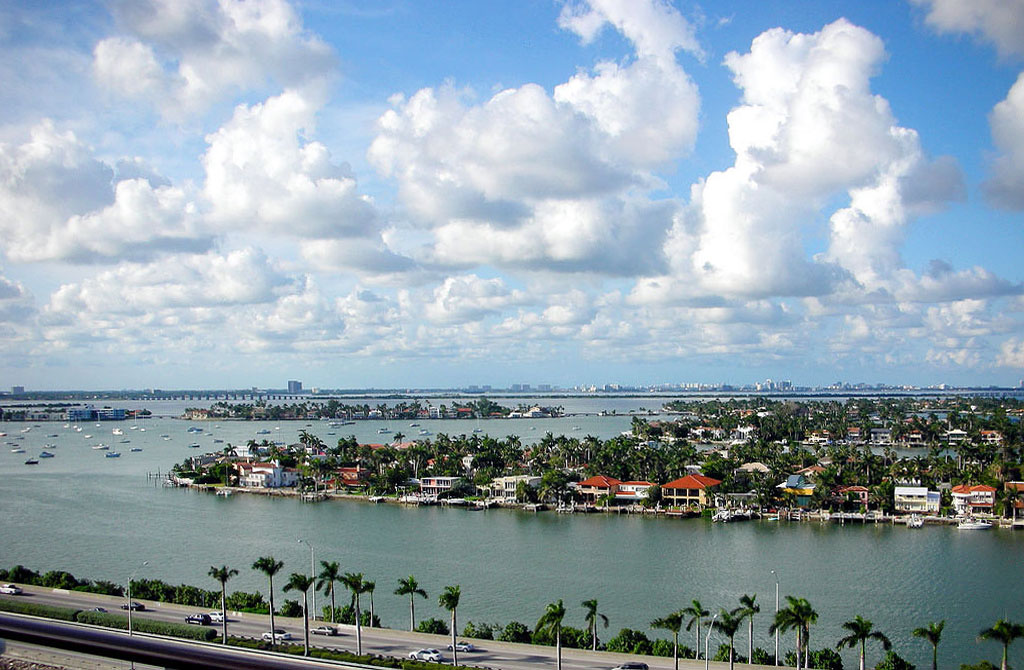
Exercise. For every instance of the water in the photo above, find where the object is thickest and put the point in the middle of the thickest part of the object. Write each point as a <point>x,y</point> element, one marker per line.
<point>101,517</point>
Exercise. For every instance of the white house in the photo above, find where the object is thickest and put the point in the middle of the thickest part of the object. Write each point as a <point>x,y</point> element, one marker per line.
<point>969,499</point>
<point>632,492</point>
<point>916,499</point>
<point>505,487</point>
<point>266,475</point>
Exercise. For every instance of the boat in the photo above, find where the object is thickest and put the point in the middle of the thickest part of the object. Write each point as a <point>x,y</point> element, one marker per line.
<point>915,521</point>
<point>382,431</point>
<point>218,441</point>
<point>142,430</point>
<point>194,445</point>
<point>113,454</point>
<point>136,449</point>
<point>973,524</point>
<point>263,432</point>
<point>224,493</point>
<point>576,428</point>
<point>100,447</point>
<point>88,437</point>
<point>117,431</point>
<point>53,435</point>
<point>31,461</point>
<point>414,425</point>
<point>45,454</point>
<point>17,450</point>
<point>124,441</point>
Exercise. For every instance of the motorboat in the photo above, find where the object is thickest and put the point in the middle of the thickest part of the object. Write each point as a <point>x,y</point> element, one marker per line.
<point>113,454</point>
<point>17,450</point>
<point>117,431</point>
<point>31,461</point>
<point>101,447</point>
<point>45,454</point>
<point>194,445</point>
<point>973,524</point>
<point>915,521</point>
<point>134,449</point>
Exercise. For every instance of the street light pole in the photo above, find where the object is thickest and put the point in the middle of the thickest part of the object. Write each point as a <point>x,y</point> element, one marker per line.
<point>130,578</point>
<point>776,617</point>
<point>707,643</point>
<point>312,575</point>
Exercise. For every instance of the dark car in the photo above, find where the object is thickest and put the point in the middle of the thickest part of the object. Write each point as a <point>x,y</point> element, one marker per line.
<point>133,606</point>
<point>201,619</point>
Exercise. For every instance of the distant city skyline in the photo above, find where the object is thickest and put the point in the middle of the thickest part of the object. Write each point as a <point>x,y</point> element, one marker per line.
<point>406,194</point>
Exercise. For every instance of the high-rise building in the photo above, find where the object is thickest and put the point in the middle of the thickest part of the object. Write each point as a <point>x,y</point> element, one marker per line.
<point>294,386</point>
<point>17,390</point>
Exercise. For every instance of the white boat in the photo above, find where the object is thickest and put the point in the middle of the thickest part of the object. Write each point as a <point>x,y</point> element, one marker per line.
<point>224,493</point>
<point>915,521</point>
<point>88,437</point>
<point>973,524</point>
<point>117,431</point>
<point>194,445</point>
<point>101,447</point>
<point>17,450</point>
<point>382,431</point>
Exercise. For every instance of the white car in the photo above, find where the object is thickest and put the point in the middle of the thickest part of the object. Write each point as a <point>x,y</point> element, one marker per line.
<point>330,631</point>
<point>462,646</point>
<point>426,655</point>
<point>10,589</point>
<point>216,617</point>
<point>277,636</point>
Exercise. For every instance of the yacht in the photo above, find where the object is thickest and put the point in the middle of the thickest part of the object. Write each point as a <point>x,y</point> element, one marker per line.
<point>31,461</point>
<point>973,524</point>
<point>100,447</point>
<point>113,454</point>
<point>136,449</point>
<point>117,431</point>
<point>915,521</point>
<point>17,450</point>
<point>45,454</point>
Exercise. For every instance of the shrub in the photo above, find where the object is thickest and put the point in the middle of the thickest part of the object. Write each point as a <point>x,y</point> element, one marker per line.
<point>480,631</point>
<point>662,647</point>
<point>101,586</point>
<point>515,632</point>
<point>291,608</point>
<point>630,641</point>
<point>240,601</point>
<point>120,621</point>
<point>722,654</point>
<point>762,657</point>
<point>432,625</point>
<point>892,661</point>
<point>35,609</point>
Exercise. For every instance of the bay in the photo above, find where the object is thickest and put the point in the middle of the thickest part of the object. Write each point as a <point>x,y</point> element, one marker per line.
<point>101,517</point>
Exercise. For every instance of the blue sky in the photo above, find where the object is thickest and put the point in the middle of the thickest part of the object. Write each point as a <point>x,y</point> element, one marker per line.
<point>392,194</point>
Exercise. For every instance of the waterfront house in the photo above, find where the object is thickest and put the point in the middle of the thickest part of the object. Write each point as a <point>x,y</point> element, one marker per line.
<point>266,475</point>
<point>991,437</point>
<point>799,486</point>
<point>352,477</point>
<point>504,488</point>
<point>916,499</point>
<point>856,495</point>
<point>881,436</point>
<point>1018,488</point>
<point>630,493</point>
<point>688,491</point>
<point>597,486</point>
<point>956,435</point>
<point>976,499</point>
<point>853,435</point>
<point>432,486</point>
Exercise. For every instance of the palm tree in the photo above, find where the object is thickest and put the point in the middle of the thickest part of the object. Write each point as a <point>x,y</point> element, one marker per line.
<point>301,582</point>
<point>672,622</point>
<point>329,574</point>
<point>798,615</point>
<point>354,582</point>
<point>370,587</point>
<point>592,616</point>
<point>449,599</point>
<point>696,612</point>
<point>270,567</point>
<point>933,633</point>
<point>749,608</point>
<point>729,623</point>
<point>860,632</point>
<point>222,575</point>
<point>410,587</point>
<point>1005,632</point>
<point>551,621</point>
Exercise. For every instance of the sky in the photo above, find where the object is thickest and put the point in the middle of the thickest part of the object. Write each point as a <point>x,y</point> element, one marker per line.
<point>401,193</point>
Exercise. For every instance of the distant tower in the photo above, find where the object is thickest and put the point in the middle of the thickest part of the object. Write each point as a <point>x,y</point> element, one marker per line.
<point>17,390</point>
<point>294,386</point>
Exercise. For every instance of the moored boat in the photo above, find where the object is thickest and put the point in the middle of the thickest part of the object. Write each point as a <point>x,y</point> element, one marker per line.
<point>973,524</point>
<point>113,454</point>
<point>45,454</point>
<point>915,521</point>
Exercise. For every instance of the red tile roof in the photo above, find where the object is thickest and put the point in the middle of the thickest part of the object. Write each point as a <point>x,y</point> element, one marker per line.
<point>692,482</point>
<point>967,488</point>
<point>600,482</point>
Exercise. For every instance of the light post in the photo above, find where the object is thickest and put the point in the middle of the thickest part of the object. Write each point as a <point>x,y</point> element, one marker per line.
<point>776,617</point>
<point>130,578</point>
<point>312,575</point>
<point>707,643</point>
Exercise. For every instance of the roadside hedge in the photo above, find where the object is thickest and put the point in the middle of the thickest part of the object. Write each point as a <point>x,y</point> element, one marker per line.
<point>341,655</point>
<point>36,609</point>
<point>143,625</point>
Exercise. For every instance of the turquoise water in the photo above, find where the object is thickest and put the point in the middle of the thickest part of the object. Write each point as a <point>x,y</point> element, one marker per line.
<point>101,517</point>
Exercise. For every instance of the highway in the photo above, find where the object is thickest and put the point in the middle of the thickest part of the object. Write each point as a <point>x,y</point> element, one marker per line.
<point>383,641</point>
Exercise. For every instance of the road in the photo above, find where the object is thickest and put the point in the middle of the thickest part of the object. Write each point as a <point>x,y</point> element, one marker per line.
<point>383,641</point>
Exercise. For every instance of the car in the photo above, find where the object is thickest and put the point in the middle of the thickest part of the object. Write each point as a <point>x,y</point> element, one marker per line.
<point>10,589</point>
<point>277,635</point>
<point>98,609</point>
<point>201,619</point>
<point>324,630</point>
<point>426,655</point>
<point>630,666</point>
<point>462,646</point>
<point>216,617</point>
<point>133,606</point>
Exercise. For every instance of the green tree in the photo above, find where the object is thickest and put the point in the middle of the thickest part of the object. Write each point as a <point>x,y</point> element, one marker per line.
<point>301,582</point>
<point>551,622</point>
<point>222,575</point>
<point>370,587</point>
<point>932,633</point>
<point>270,567</point>
<point>330,573</point>
<point>861,630</point>
<point>1004,632</point>
<point>591,618</point>
<point>449,599</point>
<point>747,609</point>
<point>672,622</point>
<point>410,587</point>
<point>798,615</point>
<point>355,583</point>
<point>729,623</point>
<point>696,612</point>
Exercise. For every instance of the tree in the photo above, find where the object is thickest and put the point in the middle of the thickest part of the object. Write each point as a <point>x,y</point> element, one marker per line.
<point>551,622</point>
<point>301,582</point>
<point>696,612</point>
<point>672,622</point>
<point>270,567</point>
<point>410,587</point>
<point>748,608</point>
<point>933,633</point>
<point>449,599</point>
<point>222,575</point>
<point>329,574</point>
<point>729,623</point>
<point>370,587</point>
<point>591,618</point>
<point>798,615</point>
<point>1005,632</point>
<point>860,632</point>
<point>354,582</point>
